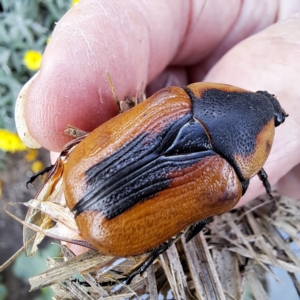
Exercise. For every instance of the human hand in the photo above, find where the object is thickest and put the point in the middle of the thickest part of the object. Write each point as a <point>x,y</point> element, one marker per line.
<point>156,43</point>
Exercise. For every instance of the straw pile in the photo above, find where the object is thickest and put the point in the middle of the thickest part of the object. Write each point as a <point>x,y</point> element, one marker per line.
<point>226,261</point>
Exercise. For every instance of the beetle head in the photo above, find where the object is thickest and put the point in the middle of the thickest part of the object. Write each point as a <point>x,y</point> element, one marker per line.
<point>279,113</point>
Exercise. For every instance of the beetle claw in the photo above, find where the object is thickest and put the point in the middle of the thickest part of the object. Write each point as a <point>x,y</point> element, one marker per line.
<point>35,176</point>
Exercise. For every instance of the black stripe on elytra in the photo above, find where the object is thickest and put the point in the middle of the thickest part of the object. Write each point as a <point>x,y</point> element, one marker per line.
<point>233,120</point>
<point>123,166</point>
<point>144,183</point>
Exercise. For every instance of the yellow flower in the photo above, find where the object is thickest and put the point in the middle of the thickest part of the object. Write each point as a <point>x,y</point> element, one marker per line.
<point>31,154</point>
<point>10,142</point>
<point>33,60</point>
<point>37,166</point>
<point>74,2</point>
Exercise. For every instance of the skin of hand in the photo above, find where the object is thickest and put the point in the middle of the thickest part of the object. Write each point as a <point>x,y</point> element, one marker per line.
<point>250,44</point>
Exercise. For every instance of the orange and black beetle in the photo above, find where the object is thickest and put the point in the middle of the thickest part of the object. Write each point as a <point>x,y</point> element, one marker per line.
<point>181,156</point>
<point>169,164</point>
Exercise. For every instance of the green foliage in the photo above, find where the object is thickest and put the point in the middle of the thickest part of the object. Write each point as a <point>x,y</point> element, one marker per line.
<point>25,267</point>
<point>3,292</point>
<point>47,293</point>
<point>24,25</point>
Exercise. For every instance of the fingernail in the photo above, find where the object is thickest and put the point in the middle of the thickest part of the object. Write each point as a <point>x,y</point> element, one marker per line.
<point>22,128</point>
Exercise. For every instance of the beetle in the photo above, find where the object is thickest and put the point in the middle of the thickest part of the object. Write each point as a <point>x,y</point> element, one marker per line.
<point>168,165</point>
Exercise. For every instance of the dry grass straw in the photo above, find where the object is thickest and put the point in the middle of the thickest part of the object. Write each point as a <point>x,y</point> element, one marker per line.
<point>228,261</point>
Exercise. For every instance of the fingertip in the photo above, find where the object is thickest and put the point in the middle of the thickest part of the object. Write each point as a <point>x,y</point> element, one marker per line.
<point>53,102</point>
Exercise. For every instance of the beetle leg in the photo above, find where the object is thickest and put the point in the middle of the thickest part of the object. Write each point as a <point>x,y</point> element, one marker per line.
<point>34,177</point>
<point>264,178</point>
<point>245,185</point>
<point>140,269</point>
<point>196,228</point>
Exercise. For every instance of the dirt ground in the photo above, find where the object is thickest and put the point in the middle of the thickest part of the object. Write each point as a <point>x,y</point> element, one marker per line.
<point>13,177</point>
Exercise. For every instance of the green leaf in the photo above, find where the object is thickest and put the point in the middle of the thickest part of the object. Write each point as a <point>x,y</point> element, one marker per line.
<point>4,55</point>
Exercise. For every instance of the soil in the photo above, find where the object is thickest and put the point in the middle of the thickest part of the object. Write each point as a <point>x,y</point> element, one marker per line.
<point>14,176</point>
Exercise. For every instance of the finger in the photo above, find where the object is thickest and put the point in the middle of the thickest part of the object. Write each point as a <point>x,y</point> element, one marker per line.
<point>132,40</point>
<point>253,17</point>
<point>54,156</point>
<point>289,184</point>
<point>172,76</point>
<point>269,61</point>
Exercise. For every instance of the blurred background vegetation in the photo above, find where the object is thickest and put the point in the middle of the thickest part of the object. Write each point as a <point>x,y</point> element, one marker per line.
<point>25,30</point>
